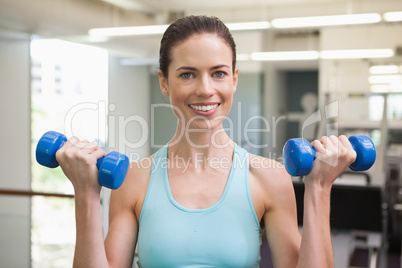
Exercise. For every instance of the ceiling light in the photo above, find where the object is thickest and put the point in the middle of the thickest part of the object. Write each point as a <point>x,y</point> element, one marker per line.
<point>284,55</point>
<point>385,79</point>
<point>357,54</point>
<point>138,61</point>
<point>160,29</point>
<point>326,20</point>
<point>395,87</point>
<point>386,88</point>
<point>259,25</point>
<point>393,16</point>
<point>242,57</point>
<point>384,69</point>
<point>379,88</point>
<point>124,31</point>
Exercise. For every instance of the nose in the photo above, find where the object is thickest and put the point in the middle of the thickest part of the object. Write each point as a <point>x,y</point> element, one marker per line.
<point>205,87</point>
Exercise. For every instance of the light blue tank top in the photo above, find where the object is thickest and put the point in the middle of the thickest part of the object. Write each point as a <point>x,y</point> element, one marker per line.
<point>227,234</point>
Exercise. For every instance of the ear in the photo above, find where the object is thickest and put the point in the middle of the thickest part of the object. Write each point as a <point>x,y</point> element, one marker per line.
<point>235,79</point>
<point>163,83</point>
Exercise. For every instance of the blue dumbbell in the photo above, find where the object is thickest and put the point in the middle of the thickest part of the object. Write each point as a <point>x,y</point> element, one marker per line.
<point>112,168</point>
<point>299,155</point>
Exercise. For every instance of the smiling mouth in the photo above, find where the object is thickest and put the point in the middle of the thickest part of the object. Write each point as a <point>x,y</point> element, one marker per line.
<point>204,108</point>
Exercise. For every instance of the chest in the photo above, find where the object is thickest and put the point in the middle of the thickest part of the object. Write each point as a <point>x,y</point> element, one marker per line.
<point>197,189</point>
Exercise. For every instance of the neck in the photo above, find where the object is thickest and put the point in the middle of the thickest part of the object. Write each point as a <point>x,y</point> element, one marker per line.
<point>205,144</point>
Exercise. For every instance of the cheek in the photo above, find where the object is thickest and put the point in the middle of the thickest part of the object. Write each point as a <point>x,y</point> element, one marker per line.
<point>228,92</point>
<point>177,98</point>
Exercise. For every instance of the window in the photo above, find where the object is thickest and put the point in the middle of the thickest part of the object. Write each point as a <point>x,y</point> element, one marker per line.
<point>69,89</point>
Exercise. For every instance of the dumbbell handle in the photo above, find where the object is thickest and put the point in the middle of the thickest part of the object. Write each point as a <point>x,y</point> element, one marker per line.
<point>299,155</point>
<point>112,168</point>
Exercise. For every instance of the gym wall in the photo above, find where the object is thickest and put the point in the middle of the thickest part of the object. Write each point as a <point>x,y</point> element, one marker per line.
<point>15,164</point>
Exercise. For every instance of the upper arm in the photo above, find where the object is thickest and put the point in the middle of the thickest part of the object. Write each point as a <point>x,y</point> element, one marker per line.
<point>280,214</point>
<point>121,240</point>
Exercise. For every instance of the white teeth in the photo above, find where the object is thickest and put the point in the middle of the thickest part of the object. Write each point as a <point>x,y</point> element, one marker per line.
<point>204,108</point>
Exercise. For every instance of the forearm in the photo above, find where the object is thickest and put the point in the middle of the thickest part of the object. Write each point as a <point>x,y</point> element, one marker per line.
<point>316,247</point>
<point>89,249</point>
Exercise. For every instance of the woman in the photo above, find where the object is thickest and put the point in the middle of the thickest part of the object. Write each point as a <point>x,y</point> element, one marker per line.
<point>210,211</point>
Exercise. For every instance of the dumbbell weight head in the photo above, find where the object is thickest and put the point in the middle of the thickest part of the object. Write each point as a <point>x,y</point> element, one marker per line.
<point>47,147</point>
<point>365,151</point>
<point>112,169</point>
<point>298,157</point>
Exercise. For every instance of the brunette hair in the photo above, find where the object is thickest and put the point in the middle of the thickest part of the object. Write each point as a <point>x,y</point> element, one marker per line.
<point>186,27</point>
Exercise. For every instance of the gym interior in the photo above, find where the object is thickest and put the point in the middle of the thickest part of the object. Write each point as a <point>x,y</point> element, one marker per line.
<point>307,68</point>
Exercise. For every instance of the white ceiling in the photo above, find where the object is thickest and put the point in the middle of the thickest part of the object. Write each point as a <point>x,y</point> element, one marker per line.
<point>71,19</point>
<point>177,5</point>
<point>63,17</point>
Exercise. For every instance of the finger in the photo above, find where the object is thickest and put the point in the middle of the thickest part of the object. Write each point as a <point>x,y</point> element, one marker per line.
<point>83,144</point>
<point>334,139</point>
<point>74,144</point>
<point>85,148</point>
<point>345,142</point>
<point>90,146</point>
<point>70,146</point>
<point>98,153</point>
<point>318,147</point>
<point>335,143</point>
<point>71,142</point>
<point>326,142</point>
<point>347,148</point>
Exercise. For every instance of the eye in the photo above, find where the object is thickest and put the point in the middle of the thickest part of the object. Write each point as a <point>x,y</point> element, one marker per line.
<point>186,75</point>
<point>219,74</point>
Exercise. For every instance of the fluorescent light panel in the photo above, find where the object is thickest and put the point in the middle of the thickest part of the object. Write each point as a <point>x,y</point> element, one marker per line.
<point>393,16</point>
<point>259,25</point>
<point>284,55</point>
<point>385,79</point>
<point>160,29</point>
<point>315,21</point>
<point>124,31</point>
<point>384,69</point>
<point>357,54</point>
<point>243,57</point>
<point>326,20</point>
<point>300,55</point>
<point>326,54</point>
<point>386,88</point>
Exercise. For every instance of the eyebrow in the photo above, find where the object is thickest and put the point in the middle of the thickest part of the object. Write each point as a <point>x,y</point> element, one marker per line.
<point>195,69</point>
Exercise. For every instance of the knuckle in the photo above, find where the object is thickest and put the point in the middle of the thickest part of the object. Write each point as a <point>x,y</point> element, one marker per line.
<point>89,160</point>
<point>76,154</point>
<point>352,155</point>
<point>73,139</point>
<point>59,154</point>
<point>314,142</point>
<point>93,145</point>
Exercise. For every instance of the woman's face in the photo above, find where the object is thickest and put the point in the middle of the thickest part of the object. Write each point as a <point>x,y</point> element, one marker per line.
<point>200,82</point>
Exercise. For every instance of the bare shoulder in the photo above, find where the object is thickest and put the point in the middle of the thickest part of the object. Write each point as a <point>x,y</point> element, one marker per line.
<point>267,170</point>
<point>269,178</point>
<point>134,188</point>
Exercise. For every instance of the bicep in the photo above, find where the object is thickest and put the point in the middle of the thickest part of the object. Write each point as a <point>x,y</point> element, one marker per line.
<point>281,224</point>
<point>121,239</point>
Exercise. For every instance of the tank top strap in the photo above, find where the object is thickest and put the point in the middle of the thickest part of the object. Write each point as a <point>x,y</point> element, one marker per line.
<point>156,193</point>
<point>239,194</point>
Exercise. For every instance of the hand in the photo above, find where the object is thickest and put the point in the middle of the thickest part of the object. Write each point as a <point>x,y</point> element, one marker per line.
<point>78,160</point>
<point>334,156</point>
